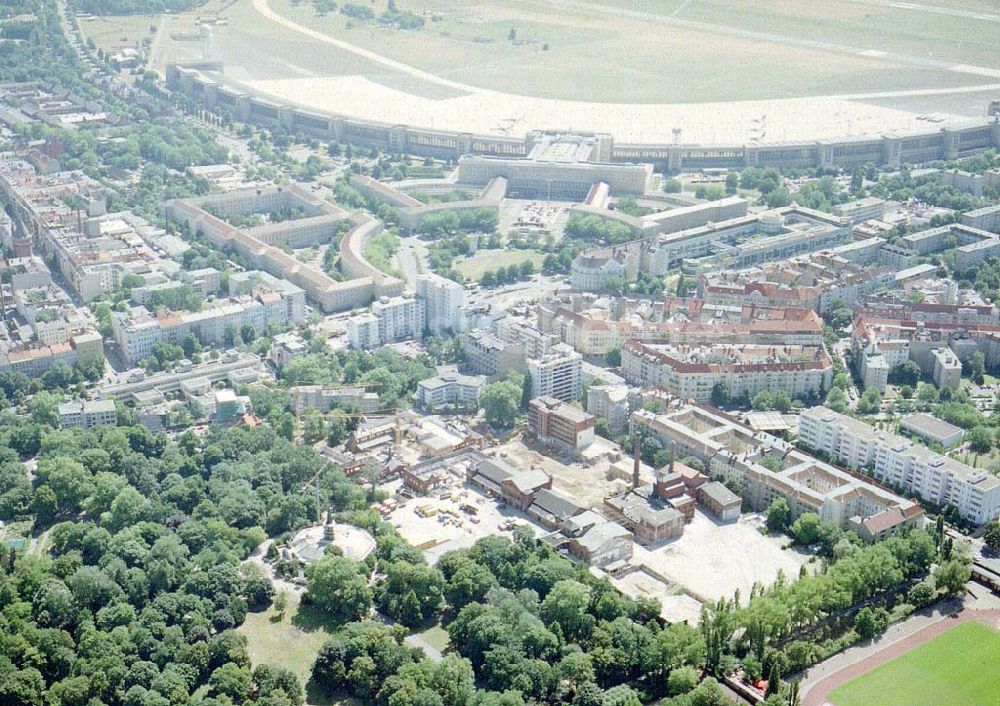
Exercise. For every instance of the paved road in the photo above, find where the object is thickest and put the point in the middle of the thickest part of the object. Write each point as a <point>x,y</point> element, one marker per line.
<point>411,257</point>
<point>413,640</point>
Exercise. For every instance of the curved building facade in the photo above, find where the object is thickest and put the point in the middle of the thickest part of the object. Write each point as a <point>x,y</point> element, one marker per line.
<point>195,81</point>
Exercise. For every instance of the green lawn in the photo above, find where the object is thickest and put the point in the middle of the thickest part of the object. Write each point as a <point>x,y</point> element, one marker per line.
<point>958,668</point>
<point>436,636</point>
<point>114,33</point>
<point>484,260</point>
<point>668,62</point>
<point>292,642</point>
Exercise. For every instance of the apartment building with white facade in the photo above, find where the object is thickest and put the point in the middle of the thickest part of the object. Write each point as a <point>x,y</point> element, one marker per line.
<point>392,319</point>
<point>87,414</point>
<point>326,398</point>
<point>450,390</point>
<point>557,374</point>
<point>902,463</point>
<point>362,331</point>
<point>275,304</point>
<point>443,301</point>
<point>869,208</point>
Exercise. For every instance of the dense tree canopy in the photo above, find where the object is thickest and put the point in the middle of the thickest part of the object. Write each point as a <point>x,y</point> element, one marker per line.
<point>137,601</point>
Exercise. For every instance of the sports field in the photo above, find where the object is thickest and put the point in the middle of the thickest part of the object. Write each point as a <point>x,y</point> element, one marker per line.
<point>958,668</point>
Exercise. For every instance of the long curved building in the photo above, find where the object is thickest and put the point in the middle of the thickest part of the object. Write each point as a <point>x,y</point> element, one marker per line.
<point>203,83</point>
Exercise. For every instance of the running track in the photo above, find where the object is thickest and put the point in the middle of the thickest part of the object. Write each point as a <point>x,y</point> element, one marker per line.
<point>817,694</point>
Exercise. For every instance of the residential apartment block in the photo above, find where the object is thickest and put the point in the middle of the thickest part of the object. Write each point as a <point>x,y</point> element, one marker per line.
<point>972,244</point>
<point>35,358</point>
<point>485,354</point>
<point>326,398</point>
<point>813,281</point>
<point>87,414</point>
<point>869,208</point>
<point>450,390</point>
<point>902,463</point>
<point>390,320</point>
<point>938,348</point>
<point>275,304</point>
<point>557,374</point>
<point>693,371</point>
<point>443,301</point>
<point>594,326</point>
<point>610,402</point>
<point>262,245</point>
<point>740,241</point>
<point>734,452</point>
<point>985,218</point>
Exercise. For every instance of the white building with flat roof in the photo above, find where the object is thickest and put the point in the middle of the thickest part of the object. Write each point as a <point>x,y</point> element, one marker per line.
<point>391,319</point>
<point>557,374</point>
<point>443,302</point>
<point>450,390</point>
<point>898,461</point>
<point>931,429</point>
<point>947,368</point>
<point>869,208</point>
<point>88,414</point>
<point>400,318</point>
<point>362,331</point>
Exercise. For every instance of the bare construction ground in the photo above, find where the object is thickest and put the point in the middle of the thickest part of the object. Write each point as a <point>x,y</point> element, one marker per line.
<point>586,484</point>
<point>677,606</point>
<point>437,523</point>
<point>713,561</point>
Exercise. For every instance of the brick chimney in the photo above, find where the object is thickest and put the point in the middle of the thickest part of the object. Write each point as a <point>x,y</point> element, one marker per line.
<point>636,463</point>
